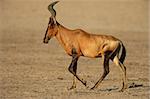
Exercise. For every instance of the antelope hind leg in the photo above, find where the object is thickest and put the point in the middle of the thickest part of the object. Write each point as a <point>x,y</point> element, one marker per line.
<point>105,73</point>
<point>123,69</point>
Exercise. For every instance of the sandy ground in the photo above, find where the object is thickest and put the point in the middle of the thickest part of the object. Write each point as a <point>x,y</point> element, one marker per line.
<point>30,69</point>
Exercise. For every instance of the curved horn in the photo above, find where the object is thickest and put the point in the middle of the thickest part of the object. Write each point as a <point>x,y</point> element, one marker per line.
<point>51,9</point>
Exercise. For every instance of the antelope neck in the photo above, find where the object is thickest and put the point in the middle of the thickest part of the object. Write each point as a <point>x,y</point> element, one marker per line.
<point>60,35</point>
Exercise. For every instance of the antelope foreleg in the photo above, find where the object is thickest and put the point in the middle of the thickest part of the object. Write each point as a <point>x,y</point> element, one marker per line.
<point>73,69</point>
<point>73,84</point>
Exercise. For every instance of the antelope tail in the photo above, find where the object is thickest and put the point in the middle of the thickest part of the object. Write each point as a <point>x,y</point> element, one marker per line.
<point>120,48</point>
<point>123,53</point>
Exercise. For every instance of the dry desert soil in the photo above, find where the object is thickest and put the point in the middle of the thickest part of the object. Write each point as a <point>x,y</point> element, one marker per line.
<point>30,69</point>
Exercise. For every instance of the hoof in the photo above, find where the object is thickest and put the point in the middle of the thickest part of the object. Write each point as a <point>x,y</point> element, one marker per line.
<point>92,88</point>
<point>72,87</point>
<point>122,90</point>
<point>84,83</point>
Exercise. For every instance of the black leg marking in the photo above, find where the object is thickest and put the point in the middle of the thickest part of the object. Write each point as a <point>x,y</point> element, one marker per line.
<point>105,73</point>
<point>73,66</point>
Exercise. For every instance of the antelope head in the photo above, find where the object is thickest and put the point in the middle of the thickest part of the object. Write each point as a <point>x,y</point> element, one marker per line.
<point>52,24</point>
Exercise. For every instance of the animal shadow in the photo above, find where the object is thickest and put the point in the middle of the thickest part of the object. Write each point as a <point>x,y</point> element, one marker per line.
<point>114,88</point>
<point>133,85</point>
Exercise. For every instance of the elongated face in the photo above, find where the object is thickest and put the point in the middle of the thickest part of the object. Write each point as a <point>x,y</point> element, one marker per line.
<point>50,32</point>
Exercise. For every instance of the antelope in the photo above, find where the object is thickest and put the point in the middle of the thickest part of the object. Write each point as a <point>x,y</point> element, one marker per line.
<point>78,43</point>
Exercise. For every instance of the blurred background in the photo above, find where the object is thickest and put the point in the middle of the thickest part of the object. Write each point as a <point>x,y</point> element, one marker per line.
<point>104,15</point>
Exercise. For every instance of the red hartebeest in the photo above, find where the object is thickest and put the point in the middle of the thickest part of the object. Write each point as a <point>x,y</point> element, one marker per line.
<point>80,43</point>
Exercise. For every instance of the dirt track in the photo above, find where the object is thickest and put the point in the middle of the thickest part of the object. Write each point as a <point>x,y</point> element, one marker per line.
<point>30,69</point>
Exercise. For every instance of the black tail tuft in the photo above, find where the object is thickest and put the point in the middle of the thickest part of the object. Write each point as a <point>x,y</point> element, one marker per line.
<point>123,54</point>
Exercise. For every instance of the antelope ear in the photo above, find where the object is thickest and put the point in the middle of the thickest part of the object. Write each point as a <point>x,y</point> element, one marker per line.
<point>50,20</point>
<point>51,23</point>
